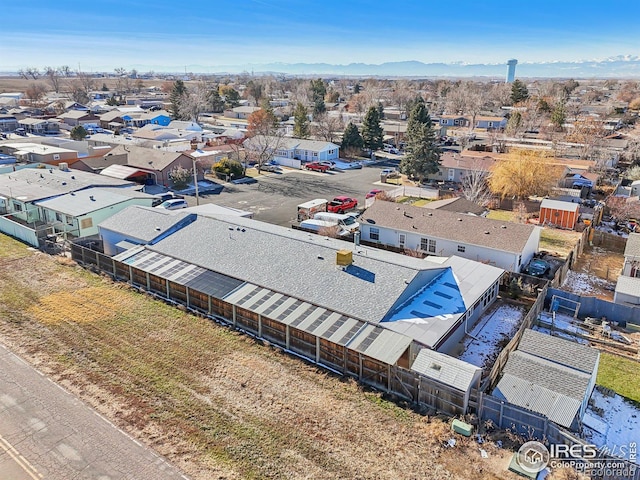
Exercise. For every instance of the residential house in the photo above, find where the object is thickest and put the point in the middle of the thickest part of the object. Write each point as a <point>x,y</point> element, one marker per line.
<point>155,162</point>
<point>39,153</point>
<point>8,123</point>
<point>111,120</point>
<point>297,149</point>
<point>559,214</point>
<point>40,126</point>
<point>315,300</point>
<point>551,376</point>
<point>455,167</point>
<point>77,214</point>
<point>505,245</point>
<point>490,122</point>
<point>240,112</point>
<point>20,190</point>
<point>631,267</point>
<point>185,125</point>
<point>73,118</point>
<point>457,121</point>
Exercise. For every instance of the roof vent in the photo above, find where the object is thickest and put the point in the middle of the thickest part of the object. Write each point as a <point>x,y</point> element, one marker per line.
<point>238,228</point>
<point>73,177</point>
<point>459,219</point>
<point>230,228</point>
<point>244,230</point>
<point>320,257</point>
<point>435,366</point>
<point>487,232</point>
<point>503,226</point>
<point>91,197</point>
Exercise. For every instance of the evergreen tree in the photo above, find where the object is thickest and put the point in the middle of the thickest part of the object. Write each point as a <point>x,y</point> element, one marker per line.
<point>215,101</point>
<point>371,130</point>
<point>231,97</point>
<point>357,88</point>
<point>351,139</point>
<point>176,97</point>
<point>380,110</point>
<point>558,116</point>
<point>318,91</point>
<point>423,155</point>
<point>519,92</point>
<point>78,132</point>
<point>301,122</point>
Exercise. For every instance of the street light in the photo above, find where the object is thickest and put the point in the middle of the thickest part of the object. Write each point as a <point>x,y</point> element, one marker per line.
<point>195,180</point>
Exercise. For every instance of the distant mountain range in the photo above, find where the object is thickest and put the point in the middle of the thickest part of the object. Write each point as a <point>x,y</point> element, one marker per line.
<point>622,66</point>
<point>615,67</point>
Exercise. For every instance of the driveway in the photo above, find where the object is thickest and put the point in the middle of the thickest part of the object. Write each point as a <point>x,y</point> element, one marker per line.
<point>47,433</point>
<point>276,195</point>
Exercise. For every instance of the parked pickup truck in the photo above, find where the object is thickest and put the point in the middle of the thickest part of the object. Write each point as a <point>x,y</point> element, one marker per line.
<point>318,167</point>
<point>341,204</point>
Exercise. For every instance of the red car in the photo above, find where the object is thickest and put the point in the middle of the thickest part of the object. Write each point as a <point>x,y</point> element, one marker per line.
<point>373,193</point>
<point>341,204</point>
<point>318,167</point>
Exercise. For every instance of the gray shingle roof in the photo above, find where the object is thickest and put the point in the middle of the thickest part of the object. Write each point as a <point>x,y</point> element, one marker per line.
<point>469,229</point>
<point>147,158</point>
<point>297,264</point>
<point>547,374</point>
<point>632,249</point>
<point>144,223</point>
<point>91,200</point>
<point>456,204</point>
<point>560,351</point>
<point>30,184</point>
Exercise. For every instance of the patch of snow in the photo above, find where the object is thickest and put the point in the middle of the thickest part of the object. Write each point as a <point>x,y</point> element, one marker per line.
<point>622,420</point>
<point>482,345</point>
<point>585,284</point>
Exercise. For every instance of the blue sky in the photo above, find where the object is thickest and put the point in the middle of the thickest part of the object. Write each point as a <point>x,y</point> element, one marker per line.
<point>171,35</point>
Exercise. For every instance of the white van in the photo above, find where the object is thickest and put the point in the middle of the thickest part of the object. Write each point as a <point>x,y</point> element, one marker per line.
<point>318,225</point>
<point>348,222</point>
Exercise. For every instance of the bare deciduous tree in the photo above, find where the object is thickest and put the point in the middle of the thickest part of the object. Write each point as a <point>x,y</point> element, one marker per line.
<point>475,187</point>
<point>327,127</point>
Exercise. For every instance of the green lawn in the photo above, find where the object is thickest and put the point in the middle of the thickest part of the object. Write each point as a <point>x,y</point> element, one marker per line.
<point>620,374</point>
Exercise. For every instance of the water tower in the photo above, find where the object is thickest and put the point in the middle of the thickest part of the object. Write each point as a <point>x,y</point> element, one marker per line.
<point>511,70</point>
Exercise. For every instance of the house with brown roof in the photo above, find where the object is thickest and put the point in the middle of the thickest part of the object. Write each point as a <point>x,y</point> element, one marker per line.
<point>78,117</point>
<point>442,233</point>
<point>454,167</point>
<point>156,162</point>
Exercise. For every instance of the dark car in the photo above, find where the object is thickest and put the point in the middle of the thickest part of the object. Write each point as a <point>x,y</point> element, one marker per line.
<point>538,268</point>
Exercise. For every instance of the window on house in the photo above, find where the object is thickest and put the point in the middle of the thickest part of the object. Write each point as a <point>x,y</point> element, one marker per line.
<point>432,246</point>
<point>461,248</point>
<point>402,239</point>
<point>315,154</point>
<point>58,217</point>
<point>456,122</point>
<point>424,244</point>
<point>374,234</point>
<point>56,156</point>
<point>490,124</point>
<point>17,207</point>
<point>69,220</point>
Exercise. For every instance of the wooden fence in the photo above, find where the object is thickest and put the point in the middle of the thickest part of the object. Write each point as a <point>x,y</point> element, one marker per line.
<point>492,378</point>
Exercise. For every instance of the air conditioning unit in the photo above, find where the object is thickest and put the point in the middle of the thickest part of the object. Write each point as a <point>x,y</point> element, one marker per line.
<point>64,166</point>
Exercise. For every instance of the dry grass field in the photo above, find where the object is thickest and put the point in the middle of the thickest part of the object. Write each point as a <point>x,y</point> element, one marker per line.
<point>216,403</point>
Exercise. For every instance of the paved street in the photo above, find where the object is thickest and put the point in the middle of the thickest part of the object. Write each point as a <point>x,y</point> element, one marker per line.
<point>276,195</point>
<point>47,433</point>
